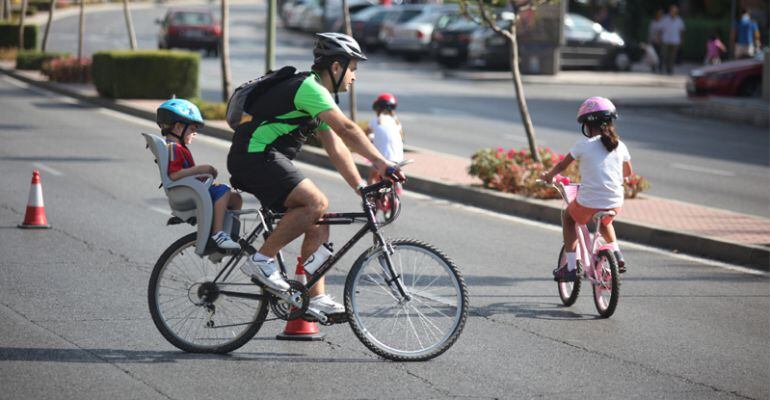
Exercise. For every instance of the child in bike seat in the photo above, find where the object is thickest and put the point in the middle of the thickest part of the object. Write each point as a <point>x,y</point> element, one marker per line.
<point>386,132</point>
<point>604,162</point>
<point>179,121</point>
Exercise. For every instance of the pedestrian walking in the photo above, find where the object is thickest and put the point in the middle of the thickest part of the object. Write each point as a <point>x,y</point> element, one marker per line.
<point>654,38</point>
<point>672,36</point>
<point>745,36</point>
<point>714,50</point>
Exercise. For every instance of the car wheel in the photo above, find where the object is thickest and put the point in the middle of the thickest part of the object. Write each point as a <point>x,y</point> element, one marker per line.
<point>622,61</point>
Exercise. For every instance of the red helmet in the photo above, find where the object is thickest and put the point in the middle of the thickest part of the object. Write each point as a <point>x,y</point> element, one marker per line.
<point>385,101</point>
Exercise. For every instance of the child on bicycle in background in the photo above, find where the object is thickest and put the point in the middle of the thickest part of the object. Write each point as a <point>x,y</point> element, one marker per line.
<point>386,132</point>
<point>604,163</point>
<point>179,121</point>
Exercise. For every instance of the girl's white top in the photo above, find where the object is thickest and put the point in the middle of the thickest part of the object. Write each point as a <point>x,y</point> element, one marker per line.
<point>387,137</point>
<point>601,173</point>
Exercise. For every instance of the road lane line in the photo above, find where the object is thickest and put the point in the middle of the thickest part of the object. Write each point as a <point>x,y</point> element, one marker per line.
<point>128,118</point>
<point>164,211</point>
<point>695,168</point>
<point>48,169</point>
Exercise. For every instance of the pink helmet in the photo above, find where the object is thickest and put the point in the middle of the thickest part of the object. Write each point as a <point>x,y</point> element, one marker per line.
<point>599,109</point>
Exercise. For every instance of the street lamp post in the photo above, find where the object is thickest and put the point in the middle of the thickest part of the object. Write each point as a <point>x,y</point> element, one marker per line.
<point>270,53</point>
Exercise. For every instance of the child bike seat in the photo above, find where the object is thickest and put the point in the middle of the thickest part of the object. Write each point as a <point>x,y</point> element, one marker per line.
<point>188,197</point>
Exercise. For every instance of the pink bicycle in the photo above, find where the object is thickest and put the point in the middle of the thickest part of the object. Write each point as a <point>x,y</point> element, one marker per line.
<point>599,264</point>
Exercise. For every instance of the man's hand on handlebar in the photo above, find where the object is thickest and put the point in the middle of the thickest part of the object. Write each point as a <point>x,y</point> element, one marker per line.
<point>392,170</point>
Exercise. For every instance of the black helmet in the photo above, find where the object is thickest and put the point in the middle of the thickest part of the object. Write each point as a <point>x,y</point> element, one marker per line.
<point>331,45</point>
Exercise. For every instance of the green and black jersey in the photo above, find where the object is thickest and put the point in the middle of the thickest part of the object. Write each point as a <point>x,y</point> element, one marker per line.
<point>287,115</point>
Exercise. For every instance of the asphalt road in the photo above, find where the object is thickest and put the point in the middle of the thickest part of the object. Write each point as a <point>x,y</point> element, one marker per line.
<point>705,162</point>
<point>76,325</point>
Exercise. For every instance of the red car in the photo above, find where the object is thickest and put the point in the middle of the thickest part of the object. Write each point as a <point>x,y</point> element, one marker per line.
<point>732,78</point>
<point>189,29</point>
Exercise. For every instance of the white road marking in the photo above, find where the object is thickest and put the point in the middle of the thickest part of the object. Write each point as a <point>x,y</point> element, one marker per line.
<point>695,168</point>
<point>164,211</point>
<point>48,169</point>
<point>129,118</point>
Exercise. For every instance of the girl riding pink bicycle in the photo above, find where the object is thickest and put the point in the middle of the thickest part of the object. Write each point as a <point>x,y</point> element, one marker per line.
<point>604,163</point>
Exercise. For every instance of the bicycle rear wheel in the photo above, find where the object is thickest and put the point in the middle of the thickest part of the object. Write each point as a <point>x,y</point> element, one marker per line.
<point>417,329</point>
<point>196,314</point>
<point>568,291</point>
<point>606,284</point>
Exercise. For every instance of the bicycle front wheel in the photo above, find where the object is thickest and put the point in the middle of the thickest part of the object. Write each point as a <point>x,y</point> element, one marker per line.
<point>568,291</point>
<point>606,284</point>
<point>196,314</point>
<point>415,329</point>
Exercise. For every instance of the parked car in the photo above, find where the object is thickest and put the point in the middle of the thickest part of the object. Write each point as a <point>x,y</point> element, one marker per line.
<point>732,78</point>
<point>402,13</point>
<point>334,12</point>
<point>189,29</point>
<point>588,45</point>
<point>450,43</point>
<point>412,38</point>
<point>366,25</point>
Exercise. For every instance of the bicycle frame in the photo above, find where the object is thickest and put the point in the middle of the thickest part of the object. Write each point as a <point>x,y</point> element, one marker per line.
<point>588,256</point>
<point>268,218</point>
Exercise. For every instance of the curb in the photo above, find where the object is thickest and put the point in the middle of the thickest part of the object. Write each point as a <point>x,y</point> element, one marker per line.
<point>755,257</point>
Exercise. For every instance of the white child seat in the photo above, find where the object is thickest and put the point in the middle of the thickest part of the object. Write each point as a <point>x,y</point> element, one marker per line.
<point>188,197</point>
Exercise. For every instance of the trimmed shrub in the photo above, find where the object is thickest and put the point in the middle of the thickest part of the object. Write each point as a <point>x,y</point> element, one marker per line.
<point>209,110</point>
<point>148,74</point>
<point>33,60</point>
<point>68,70</point>
<point>9,35</point>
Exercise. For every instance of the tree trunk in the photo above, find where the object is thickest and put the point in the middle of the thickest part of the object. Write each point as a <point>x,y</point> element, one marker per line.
<point>7,10</point>
<point>48,25</point>
<point>81,29</point>
<point>224,53</point>
<point>349,32</point>
<point>270,26</point>
<point>129,25</point>
<point>521,100</point>
<point>21,24</point>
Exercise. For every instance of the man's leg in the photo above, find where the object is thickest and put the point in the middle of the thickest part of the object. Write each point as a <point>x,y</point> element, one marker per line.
<point>306,204</point>
<point>314,237</point>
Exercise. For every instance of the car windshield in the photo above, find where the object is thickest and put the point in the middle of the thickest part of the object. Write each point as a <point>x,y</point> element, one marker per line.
<point>367,13</point>
<point>429,18</point>
<point>407,15</point>
<point>462,24</point>
<point>191,18</point>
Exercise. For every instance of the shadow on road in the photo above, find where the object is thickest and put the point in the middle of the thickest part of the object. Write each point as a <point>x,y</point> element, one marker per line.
<point>152,357</point>
<point>530,310</point>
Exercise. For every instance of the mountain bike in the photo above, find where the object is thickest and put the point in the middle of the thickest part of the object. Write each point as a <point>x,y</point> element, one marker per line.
<point>598,261</point>
<point>404,299</point>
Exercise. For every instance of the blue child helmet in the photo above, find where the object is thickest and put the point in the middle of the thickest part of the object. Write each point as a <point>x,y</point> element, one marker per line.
<point>179,110</point>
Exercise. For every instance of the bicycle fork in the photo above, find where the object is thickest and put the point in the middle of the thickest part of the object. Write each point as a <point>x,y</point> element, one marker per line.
<point>389,275</point>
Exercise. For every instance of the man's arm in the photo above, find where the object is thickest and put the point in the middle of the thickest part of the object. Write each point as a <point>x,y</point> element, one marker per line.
<point>340,156</point>
<point>353,136</point>
<point>198,169</point>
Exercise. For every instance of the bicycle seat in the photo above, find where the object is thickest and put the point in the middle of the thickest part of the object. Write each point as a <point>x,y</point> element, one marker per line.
<point>188,197</point>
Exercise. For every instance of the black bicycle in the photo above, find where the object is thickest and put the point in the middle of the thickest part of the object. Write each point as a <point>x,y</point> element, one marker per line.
<point>404,299</point>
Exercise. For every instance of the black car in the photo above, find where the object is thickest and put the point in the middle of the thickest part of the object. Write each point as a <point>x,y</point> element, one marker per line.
<point>587,45</point>
<point>366,25</point>
<point>450,44</point>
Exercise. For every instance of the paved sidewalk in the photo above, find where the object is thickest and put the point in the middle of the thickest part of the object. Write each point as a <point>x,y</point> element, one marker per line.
<point>675,225</point>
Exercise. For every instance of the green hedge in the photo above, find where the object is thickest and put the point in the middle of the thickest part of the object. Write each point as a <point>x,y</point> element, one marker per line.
<point>33,60</point>
<point>9,35</point>
<point>149,74</point>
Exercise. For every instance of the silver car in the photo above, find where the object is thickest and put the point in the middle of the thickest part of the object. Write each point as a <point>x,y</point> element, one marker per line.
<point>412,38</point>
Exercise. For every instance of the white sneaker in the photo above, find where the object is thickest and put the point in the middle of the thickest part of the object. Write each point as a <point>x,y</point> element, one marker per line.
<point>224,241</point>
<point>266,272</point>
<point>326,304</point>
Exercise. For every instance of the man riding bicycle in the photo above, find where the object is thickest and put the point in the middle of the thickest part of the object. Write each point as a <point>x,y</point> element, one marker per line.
<point>260,158</point>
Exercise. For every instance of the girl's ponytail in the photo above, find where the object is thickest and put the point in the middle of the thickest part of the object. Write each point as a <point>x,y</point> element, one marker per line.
<point>609,137</point>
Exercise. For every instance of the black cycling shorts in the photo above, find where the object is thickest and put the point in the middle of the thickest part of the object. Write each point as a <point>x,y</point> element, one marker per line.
<point>269,175</point>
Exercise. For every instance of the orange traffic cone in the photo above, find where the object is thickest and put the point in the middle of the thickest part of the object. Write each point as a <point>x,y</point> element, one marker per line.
<point>299,329</point>
<point>35,215</point>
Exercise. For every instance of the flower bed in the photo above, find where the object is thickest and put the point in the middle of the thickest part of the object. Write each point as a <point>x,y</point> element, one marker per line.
<point>514,171</point>
<point>68,70</point>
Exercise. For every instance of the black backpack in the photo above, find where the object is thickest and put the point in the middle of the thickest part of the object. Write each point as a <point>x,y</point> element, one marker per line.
<point>243,99</point>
